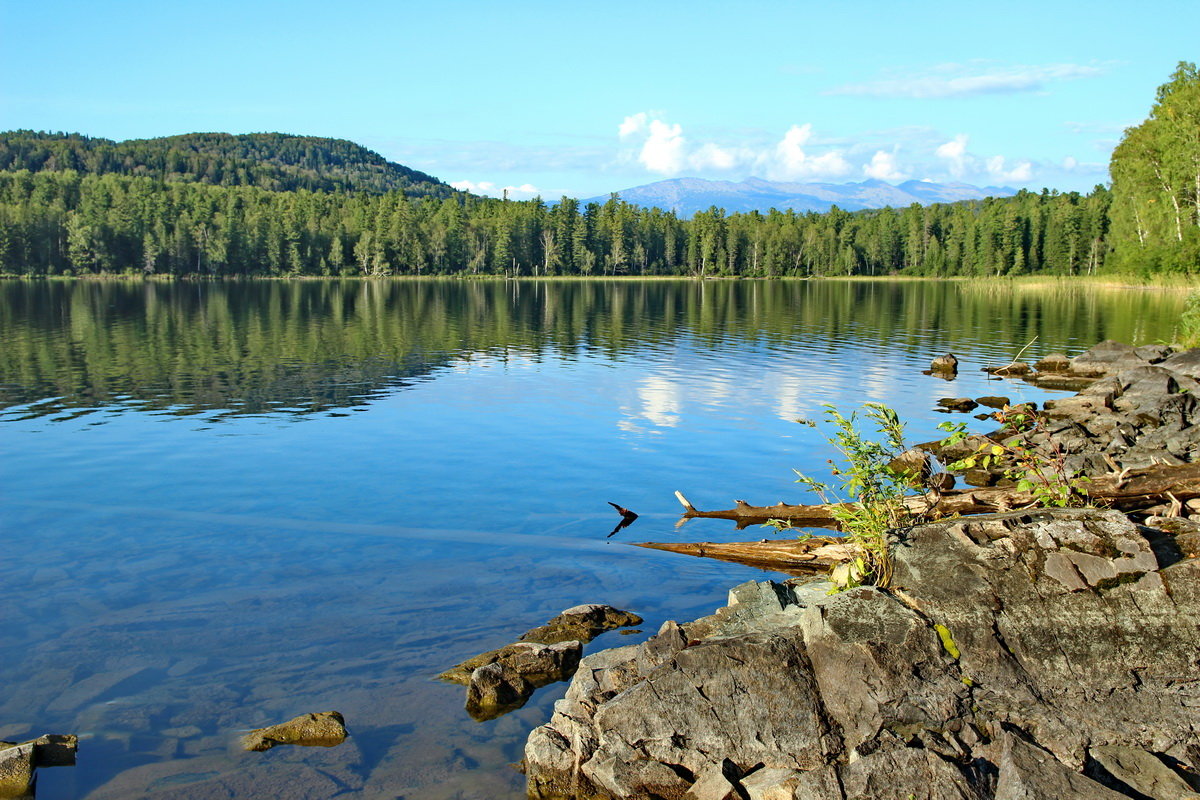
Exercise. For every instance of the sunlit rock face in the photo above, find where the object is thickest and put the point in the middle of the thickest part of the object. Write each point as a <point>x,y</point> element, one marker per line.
<point>1009,653</point>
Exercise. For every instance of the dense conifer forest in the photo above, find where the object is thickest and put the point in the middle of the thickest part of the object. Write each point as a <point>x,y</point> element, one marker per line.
<point>273,205</point>
<point>274,161</point>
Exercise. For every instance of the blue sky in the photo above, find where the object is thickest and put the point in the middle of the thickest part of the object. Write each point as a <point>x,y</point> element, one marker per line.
<point>587,98</point>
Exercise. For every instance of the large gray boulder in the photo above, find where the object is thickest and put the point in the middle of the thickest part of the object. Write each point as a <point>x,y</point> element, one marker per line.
<point>1108,357</point>
<point>1029,773</point>
<point>1008,650</point>
<point>1139,772</point>
<point>1186,362</point>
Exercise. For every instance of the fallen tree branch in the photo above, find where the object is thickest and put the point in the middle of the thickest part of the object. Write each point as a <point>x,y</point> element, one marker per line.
<point>1130,491</point>
<point>790,556</point>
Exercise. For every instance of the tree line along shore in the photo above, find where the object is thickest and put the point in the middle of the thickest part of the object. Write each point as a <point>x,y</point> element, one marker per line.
<point>274,205</point>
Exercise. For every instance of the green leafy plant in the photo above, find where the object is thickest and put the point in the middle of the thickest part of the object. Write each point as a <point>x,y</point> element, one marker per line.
<point>870,500</point>
<point>785,526</point>
<point>1189,321</point>
<point>1039,470</point>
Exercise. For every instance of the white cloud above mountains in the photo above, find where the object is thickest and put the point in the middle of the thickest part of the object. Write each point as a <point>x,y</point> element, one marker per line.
<point>961,163</point>
<point>526,191</point>
<point>883,167</point>
<point>791,161</point>
<point>955,154</point>
<point>968,80</point>
<point>660,147</point>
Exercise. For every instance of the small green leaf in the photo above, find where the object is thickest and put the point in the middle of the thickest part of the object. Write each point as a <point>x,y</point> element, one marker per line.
<point>947,641</point>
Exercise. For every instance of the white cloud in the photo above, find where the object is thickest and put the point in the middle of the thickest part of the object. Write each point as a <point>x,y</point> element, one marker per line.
<point>1074,165</point>
<point>525,191</point>
<point>801,155</point>
<point>713,156</point>
<point>633,124</point>
<point>883,167</point>
<point>1020,173</point>
<point>963,165</point>
<point>968,80</point>
<point>791,161</point>
<point>663,150</point>
<point>955,153</point>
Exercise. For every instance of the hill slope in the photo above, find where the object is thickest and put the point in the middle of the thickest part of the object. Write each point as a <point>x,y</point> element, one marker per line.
<point>274,161</point>
<point>686,196</point>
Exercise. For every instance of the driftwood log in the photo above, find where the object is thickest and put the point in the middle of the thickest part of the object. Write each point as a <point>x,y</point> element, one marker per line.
<point>1131,491</point>
<point>1159,489</point>
<point>790,556</point>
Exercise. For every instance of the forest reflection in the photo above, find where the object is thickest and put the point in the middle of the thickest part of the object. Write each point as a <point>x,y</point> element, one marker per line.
<point>303,347</point>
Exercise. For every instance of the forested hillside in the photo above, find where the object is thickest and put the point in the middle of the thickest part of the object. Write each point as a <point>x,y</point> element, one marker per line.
<point>64,222</point>
<point>74,221</point>
<point>1156,182</point>
<point>273,161</point>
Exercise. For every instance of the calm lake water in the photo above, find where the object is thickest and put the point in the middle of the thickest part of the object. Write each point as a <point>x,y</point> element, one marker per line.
<point>224,505</point>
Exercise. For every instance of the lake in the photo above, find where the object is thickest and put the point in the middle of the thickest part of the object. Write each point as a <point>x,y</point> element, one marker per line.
<point>227,504</point>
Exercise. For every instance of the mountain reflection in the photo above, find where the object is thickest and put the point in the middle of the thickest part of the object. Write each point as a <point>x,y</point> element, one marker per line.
<point>305,347</point>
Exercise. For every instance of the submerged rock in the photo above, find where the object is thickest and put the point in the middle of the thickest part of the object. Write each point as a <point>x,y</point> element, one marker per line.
<point>323,729</point>
<point>1010,648</point>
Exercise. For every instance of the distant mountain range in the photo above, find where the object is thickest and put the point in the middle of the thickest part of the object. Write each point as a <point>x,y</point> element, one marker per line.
<point>686,196</point>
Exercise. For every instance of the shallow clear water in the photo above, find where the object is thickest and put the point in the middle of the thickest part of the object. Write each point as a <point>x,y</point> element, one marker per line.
<point>226,505</point>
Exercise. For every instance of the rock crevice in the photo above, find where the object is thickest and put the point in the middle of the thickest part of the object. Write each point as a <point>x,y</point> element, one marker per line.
<point>1028,654</point>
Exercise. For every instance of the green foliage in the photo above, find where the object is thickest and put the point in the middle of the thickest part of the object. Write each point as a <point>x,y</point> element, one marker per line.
<point>271,204</point>
<point>785,526</point>
<point>1189,322</point>
<point>187,205</point>
<point>1039,470</point>
<point>1156,183</point>
<point>874,493</point>
<point>274,161</point>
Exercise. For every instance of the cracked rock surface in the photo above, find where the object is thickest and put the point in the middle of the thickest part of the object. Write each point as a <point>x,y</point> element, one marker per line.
<point>1020,655</point>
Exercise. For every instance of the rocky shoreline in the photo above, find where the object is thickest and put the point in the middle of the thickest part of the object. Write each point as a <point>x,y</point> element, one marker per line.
<point>1028,654</point>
